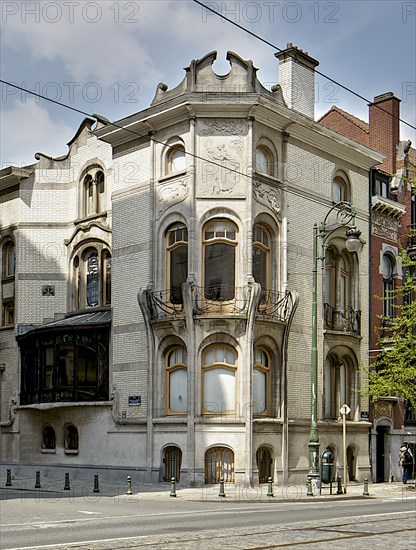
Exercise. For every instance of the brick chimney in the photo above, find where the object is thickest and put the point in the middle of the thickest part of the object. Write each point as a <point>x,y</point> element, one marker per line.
<point>384,114</point>
<point>297,79</point>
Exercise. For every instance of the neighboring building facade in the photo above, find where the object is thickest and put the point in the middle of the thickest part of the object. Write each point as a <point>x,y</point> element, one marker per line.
<point>161,282</point>
<point>393,218</point>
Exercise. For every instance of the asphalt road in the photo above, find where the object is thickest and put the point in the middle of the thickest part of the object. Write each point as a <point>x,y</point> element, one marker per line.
<point>110,523</point>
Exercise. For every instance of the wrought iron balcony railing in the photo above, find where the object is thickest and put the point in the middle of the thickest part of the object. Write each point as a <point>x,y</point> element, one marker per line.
<point>220,300</point>
<point>344,320</point>
<point>162,304</point>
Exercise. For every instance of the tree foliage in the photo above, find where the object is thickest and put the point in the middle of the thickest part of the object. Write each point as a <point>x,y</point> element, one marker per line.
<point>394,372</point>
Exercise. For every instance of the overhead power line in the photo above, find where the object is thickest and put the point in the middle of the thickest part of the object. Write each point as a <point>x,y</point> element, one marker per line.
<point>248,31</point>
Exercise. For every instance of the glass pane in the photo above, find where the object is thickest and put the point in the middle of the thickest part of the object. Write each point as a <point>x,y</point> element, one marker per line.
<point>219,390</point>
<point>177,160</point>
<point>262,162</point>
<point>219,272</point>
<point>387,267</point>
<point>65,366</point>
<point>209,356</point>
<point>260,266</point>
<point>178,272</point>
<point>178,391</point>
<point>328,388</point>
<point>229,356</point>
<point>10,260</point>
<point>107,280</point>
<point>336,191</point>
<point>92,279</point>
<point>259,391</point>
<point>343,381</point>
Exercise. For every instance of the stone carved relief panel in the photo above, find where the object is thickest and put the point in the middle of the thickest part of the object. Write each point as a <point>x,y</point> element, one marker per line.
<point>223,143</point>
<point>268,196</point>
<point>385,226</point>
<point>171,193</point>
<point>383,409</point>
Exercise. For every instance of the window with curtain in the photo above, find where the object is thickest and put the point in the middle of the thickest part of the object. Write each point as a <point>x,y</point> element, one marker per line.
<point>177,380</point>
<point>219,370</point>
<point>261,381</point>
<point>92,277</point>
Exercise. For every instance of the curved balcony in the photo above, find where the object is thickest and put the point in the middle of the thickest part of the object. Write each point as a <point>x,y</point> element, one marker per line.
<point>342,320</point>
<point>220,300</point>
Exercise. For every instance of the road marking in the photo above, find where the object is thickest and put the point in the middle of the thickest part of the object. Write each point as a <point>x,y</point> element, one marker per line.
<point>86,512</point>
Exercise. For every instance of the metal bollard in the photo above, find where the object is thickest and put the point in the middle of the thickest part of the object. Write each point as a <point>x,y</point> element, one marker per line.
<point>222,492</point>
<point>37,482</point>
<point>96,484</point>
<point>309,491</point>
<point>66,486</point>
<point>365,492</point>
<point>8,477</point>
<point>129,491</point>
<point>270,487</point>
<point>172,487</point>
<point>339,486</point>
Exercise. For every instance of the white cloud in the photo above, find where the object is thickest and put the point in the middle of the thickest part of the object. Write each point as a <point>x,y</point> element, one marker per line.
<point>28,128</point>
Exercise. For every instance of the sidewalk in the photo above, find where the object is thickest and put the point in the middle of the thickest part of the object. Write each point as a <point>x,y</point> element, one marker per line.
<point>233,492</point>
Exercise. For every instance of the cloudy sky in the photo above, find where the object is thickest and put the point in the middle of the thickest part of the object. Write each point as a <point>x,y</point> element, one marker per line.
<point>107,57</point>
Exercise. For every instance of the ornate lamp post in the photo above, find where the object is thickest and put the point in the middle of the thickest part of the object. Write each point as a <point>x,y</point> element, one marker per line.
<point>345,215</point>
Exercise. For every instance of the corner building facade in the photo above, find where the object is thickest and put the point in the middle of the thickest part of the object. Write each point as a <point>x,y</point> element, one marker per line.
<point>212,194</point>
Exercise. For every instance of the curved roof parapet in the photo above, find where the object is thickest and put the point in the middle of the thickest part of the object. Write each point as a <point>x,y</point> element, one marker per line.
<point>201,78</point>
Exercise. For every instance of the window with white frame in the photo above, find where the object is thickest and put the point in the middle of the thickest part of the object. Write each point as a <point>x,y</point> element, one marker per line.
<point>219,372</point>
<point>177,261</point>
<point>220,243</point>
<point>176,380</point>
<point>388,269</point>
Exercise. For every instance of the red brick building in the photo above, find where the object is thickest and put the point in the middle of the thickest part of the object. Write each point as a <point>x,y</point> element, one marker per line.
<point>393,216</point>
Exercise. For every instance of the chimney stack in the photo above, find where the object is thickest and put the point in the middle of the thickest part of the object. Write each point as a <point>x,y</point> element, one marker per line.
<point>384,133</point>
<point>297,79</point>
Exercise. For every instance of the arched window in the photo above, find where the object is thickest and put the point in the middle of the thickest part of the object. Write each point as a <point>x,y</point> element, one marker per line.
<point>8,255</point>
<point>92,277</point>
<point>264,160</point>
<point>94,192</point>
<point>261,256</point>
<point>71,438</point>
<point>219,260</point>
<point>177,261</point>
<point>48,438</point>
<point>339,303</point>
<point>388,269</point>
<point>172,459</point>
<point>264,464</point>
<point>176,161</point>
<point>340,190</point>
<point>261,381</point>
<point>219,368</point>
<point>8,273</point>
<point>176,381</point>
<point>219,463</point>
<point>340,384</point>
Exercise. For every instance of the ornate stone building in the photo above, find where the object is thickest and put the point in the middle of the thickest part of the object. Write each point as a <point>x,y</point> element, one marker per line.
<point>160,282</point>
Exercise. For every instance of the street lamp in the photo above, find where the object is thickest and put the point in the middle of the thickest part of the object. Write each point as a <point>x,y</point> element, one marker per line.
<point>345,215</point>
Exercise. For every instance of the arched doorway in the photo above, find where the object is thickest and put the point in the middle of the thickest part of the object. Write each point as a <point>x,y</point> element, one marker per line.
<point>381,437</point>
<point>172,459</point>
<point>264,463</point>
<point>219,462</point>
<point>351,462</point>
